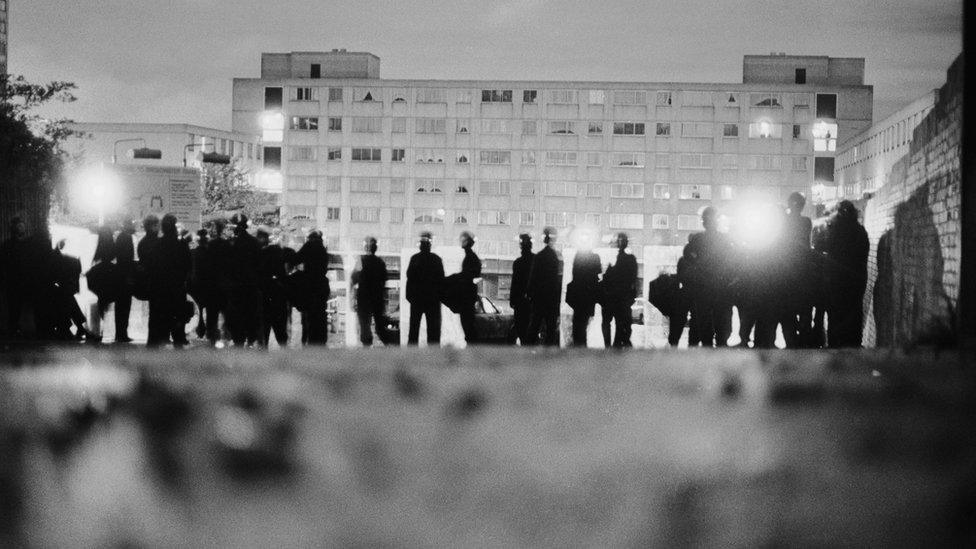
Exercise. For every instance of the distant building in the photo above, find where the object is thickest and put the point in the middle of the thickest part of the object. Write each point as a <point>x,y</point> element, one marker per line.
<point>4,33</point>
<point>361,155</point>
<point>865,162</point>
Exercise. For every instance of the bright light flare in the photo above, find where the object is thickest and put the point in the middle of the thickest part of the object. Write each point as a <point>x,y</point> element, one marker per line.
<point>96,189</point>
<point>758,225</point>
<point>273,126</point>
<point>584,237</point>
<point>270,181</point>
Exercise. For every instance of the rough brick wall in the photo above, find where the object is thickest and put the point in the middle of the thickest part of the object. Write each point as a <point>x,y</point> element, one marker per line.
<point>914,225</point>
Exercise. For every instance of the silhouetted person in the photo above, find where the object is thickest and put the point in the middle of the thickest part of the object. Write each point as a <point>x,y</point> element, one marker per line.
<point>518,299</point>
<point>104,278</point>
<point>219,262</point>
<point>67,272</point>
<point>17,273</point>
<point>169,268</point>
<point>313,260</point>
<point>244,301</point>
<point>370,282</point>
<point>544,290</point>
<point>846,274</point>
<point>582,291</point>
<point>202,279</point>
<point>271,277</point>
<point>147,243</point>
<point>425,278</point>
<point>798,291</point>
<point>710,254</point>
<point>125,262</point>
<point>619,291</point>
<point>680,307</point>
<point>467,290</point>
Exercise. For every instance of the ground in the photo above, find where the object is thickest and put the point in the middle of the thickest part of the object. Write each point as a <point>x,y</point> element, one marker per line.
<point>486,446</point>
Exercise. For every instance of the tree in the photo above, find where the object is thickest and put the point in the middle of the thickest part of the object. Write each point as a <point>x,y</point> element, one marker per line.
<point>30,150</point>
<point>227,189</point>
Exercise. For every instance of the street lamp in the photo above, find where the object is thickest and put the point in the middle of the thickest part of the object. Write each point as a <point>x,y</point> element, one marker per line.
<point>97,189</point>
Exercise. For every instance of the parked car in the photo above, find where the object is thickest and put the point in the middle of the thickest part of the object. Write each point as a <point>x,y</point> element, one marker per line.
<point>491,322</point>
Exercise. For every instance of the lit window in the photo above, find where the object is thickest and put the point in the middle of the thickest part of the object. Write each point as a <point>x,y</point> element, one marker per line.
<point>662,191</point>
<point>765,130</point>
<point>597,97</point>
<point>568,97</point>
<point>660,221</point>
<point>824,136</point>
<point>428,216</point>
<point>728,192</point>
<point>304,123</point>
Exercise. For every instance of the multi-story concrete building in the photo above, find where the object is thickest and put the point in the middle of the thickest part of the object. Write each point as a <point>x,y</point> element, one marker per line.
<point>4,33</point>
<point>865,161</point>
<point>361,155</point>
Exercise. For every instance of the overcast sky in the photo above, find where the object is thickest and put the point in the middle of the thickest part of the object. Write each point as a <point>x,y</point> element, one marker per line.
<point>173,61</point>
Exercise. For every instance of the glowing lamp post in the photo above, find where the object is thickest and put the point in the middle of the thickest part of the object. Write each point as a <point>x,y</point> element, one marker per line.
<point>98,190</point>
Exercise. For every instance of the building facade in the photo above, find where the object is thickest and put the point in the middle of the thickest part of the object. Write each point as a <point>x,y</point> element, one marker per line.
<point>865,162</point>
<point>361,155</point>
<point>4,33</point>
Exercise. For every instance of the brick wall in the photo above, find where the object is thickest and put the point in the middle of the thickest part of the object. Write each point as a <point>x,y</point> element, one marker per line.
<point>914,225</point>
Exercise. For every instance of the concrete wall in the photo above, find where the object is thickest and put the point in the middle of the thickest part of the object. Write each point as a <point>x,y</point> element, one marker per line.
<point>914,224</point>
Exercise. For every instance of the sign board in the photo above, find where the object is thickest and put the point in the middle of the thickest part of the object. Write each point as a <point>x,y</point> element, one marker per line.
<point>162,190</point>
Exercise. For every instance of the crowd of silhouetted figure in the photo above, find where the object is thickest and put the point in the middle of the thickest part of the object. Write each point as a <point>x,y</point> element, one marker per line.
<point>803,281</point>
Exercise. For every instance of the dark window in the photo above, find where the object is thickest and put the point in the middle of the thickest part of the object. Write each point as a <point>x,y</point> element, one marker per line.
<point>826,105</point>
<point>316,71</point>
<point>272,157</point>
<point>801,76</point>
<point>529,96</point>
<point>796,131</point>
<point>272,98</point>
<point>823,169</point>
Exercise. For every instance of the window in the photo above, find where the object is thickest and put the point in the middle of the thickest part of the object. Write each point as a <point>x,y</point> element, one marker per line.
<point>660,221</point>
<point>529,127</point>
<point>728,192</point>
<point>826,105</point>
<point>765,130</point>
<point>272,98</point>
<point>628,159</point>
<point>568,97</point>
<point>302,154</point>
<point>824,136</point>
<point>364,185</point>
<point>529,96</point>
<point>695,192</point>
<point>333,184</point>
<point>366,94</point>
<point>304,94</point>
<point>496,96</point>
<point>527,218</point>
<point>662,191</point>
<point>627,190</point>
<point>398,155</point>
<point>335,95</point>
<point>492,217</point>
<point>462,157</point>
<point>367,125</point>
<point>796,131</point>
<point>429,186</point>
<point>332,214</point>
<point>627,221</point>
<point>461,218</point>
<point>396,215</point>
<point>594,190</point>
<point>730,130</point>
<point>801,101</point>
<point>731,102</point>
<point>430,156</point>
<point>562,158</point>
<point>430,125</point>
<point>823,169</point>
<point>304,123</point>
<point>593,219</point>
<point>560,219</point>
<point>689,223</point>
<point>628,128</point>
<point>461,188</point>
<point>663,99</point>
<point>431,95</point>
<point>730,161</point>
<point>765,100</point>
<point>696,129</point>
<point>562,127</point>
<point>527,188</point>
<point>364,215</point>
<point>597,97</point>
<point>495,125</point>
<point>696,99</point>
<point>335,124</point>
<point>398,95</point>
<point>595,127</point>
<point>800,163</point>
<point>594,159</point>
<point>764,162</point>
<point>495,157</point>
<point>560,188</point>
<point>398,185</point>
<point>629,97</point>
<point>365,155</point>
<point>398,125</point>
<point>334,153</point>
<point>695,160</point>
<point>462,125</point>
<point>301,183</point>
<point>464,96</point>
<point>427,216</point>
<point>315,70</point>
<point>663,129</point>
<point>302,212</point>
<point>495,188</point>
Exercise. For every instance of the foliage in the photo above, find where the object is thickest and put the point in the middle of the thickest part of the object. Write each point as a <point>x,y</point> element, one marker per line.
<point>227,189</point>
